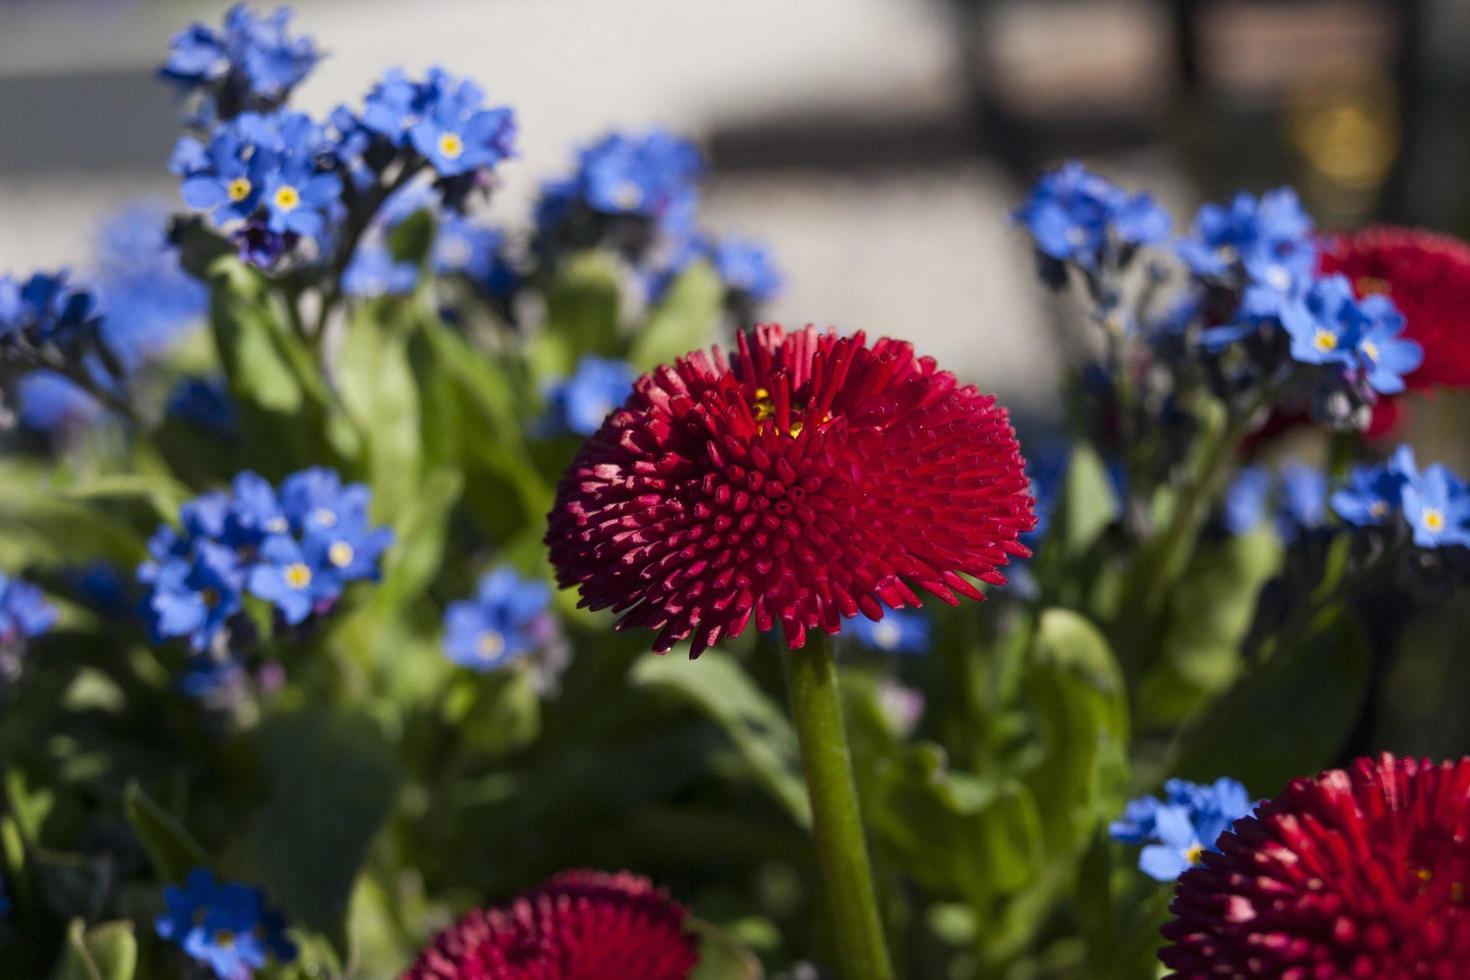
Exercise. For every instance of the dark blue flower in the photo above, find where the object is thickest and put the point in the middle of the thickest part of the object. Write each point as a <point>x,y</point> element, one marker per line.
<point>350,549</point>
<point>581,403</point>
<point>24,611</point>
<point>193,596</point>
<point>1374,493</point>
<point>1074,215</point>
<point>227,927</point>
<point>508,618</point>
<point>1385,356</point>
<point>1437,506</point>
<point>746,268</point>
<point>374,272</point>
<point>1177,830</point>
<point>51,403</point>
<point>392,107</point>
<point>253,512</point>
<point>1245,500</point>
<point>283,576</point>
<point>315,500</point>
<point>204,402</point>
<point>1269,238</point>
<point>226,178</point>
<point>46,309</point>
<point>899,631</point>
<point>443,118</point>
<point>1334,327</point>
<point>252,57</point>
<point>650,174</point>
<point>475,252</point>
<point>298,198</point>
<point>1303,504</point>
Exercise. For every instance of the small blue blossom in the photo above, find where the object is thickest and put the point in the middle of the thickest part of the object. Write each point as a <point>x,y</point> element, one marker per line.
<point>24,612</point>
<point>1330,335</point>
<point>1437,506</point>
<point>746,268</point>
<point>650,175</point>
<point>1303,504</point>
<point>581,403</point>
<point>254,57</point>
<point>374,272</point>
<point>1075,215</point>
<point>1178,829</point>
<point>46,309</point>
<point>508,618</point>
<point>475,252</point>
<point>227,927</point>
<point>899,631</point>
<point>298,199</point>
<point>1374,493</point>
<point>315,500</point>
<point>1245,500</point>
<point>50,402</point>
<point>443,119</point>
<point>1385,356</point>
<point>283,577</point>
<point>193,597</point>
<point>1270,238</point>
<point>204,402</point>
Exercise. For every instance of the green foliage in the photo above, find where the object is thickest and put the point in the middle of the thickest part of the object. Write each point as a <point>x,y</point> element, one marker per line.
<point>104,952</point>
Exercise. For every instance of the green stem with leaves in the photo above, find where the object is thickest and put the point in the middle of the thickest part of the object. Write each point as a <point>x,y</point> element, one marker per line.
<point>837,824</point>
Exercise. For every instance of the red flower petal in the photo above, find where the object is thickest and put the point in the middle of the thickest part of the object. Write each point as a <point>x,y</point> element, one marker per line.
<point>580,925</point>
<point>1352,874</point>
<point>804,479</point>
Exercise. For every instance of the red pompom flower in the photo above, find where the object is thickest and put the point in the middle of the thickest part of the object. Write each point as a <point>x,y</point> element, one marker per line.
<point>1352,874</point>
<point>1428,278</point>
<point>803,479</point>
<point>580,925</point>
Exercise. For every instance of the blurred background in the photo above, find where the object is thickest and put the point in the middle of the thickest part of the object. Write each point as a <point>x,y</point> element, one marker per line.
<point>876,145</point>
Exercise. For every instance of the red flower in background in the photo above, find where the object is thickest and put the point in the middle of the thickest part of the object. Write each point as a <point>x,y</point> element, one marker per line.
<point>804,479</point>
<point>1353,874</point>
<point>580,925</point>
<point>1428,278</point>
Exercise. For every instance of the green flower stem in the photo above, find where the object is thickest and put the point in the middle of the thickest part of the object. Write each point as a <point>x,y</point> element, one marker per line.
<point>816,710</point>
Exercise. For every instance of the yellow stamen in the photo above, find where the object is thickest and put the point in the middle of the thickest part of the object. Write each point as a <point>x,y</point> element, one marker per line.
<point>1195,854</point>
<point>239,189</point>
<point>1369,349</point>
<point>451,145</point>
<point>298,576</point>
<point>1324,340</point>
<point>489,644</point>
<point>287,197</point>
<point>340,554</point>
<point>1378,508</point>
<point>224,938</point>
<point>1434,519</point>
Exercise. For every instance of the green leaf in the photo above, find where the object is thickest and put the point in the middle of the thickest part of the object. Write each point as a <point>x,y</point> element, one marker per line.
<point>161,493</point>
<point>494,713</point>
<point>378,390</point>
<point>721,689</point>
<point>1285,718</point>
<point>721,955</point>
<point>684,320</point>
<point>412,239</point>
<point>104,952</point>
<point>173,852</point>
<point>1077,691</point>
<point>332,780</point>
<point>582,315</point>
<point>1087,505</point>
<point>418,541</point>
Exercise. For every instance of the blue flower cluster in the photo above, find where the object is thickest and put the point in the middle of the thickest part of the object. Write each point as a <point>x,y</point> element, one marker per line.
<point>24,613</point>
<point>638,195</point>
<point>1261,246</point>
<point>442,118</point>
<point>253,63</point>
<point>899,631</point>
<point>1177,830</point>
<point>508,618</point>
<point>581,403</point>
<point>226,926</point>
<point>1076,216</point>
<point>205,403</point>
<point>51,340</point>
<point>296,549</point>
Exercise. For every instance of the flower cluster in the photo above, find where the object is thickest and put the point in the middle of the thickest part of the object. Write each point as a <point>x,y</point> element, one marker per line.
<point>579,404</point>
<point>805,479</point>
<point>1178,830</point>
<point>578,924</point>
<point>1356,873</point>
<point>250,65</point>
<point>441,118</point>
<point>637,194</point>
<point>508,618</point>
<point>48,323</point>
<point>24,613</point>
<point>226,926</point>
<point>296,549</point>
<point>1076,216</point>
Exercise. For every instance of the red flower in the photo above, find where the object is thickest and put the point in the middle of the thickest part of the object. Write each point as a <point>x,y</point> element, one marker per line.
<point>1351,874</point>
<point>1428,278</point>
<point>580,925</point>
<point>805,478</point>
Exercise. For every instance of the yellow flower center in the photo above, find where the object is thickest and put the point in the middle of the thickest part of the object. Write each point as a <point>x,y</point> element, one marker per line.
<point>1434,519</point>
<point>224,938</point>
<point>239,189</point>
<point>340,554</point>
<point>1369,349</point>
<point>628,195</point>
<point>1378,508</point>
<point>287,197</point>
<point>1194,854</point>
<point>325,517</point>
<point>298,576</point>
<point>489,644</point>
<point>451,145</point>
<point>1324,340</point>
<point>211,597</point>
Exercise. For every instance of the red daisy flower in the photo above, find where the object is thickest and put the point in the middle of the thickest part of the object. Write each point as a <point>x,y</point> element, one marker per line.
<point>580,925</point>
<point>806,478</point>
<point>1352,874</point>
<point>1428,278</point>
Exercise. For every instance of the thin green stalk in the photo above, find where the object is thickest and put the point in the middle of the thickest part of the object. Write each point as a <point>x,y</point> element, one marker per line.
<point>837,824</point>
